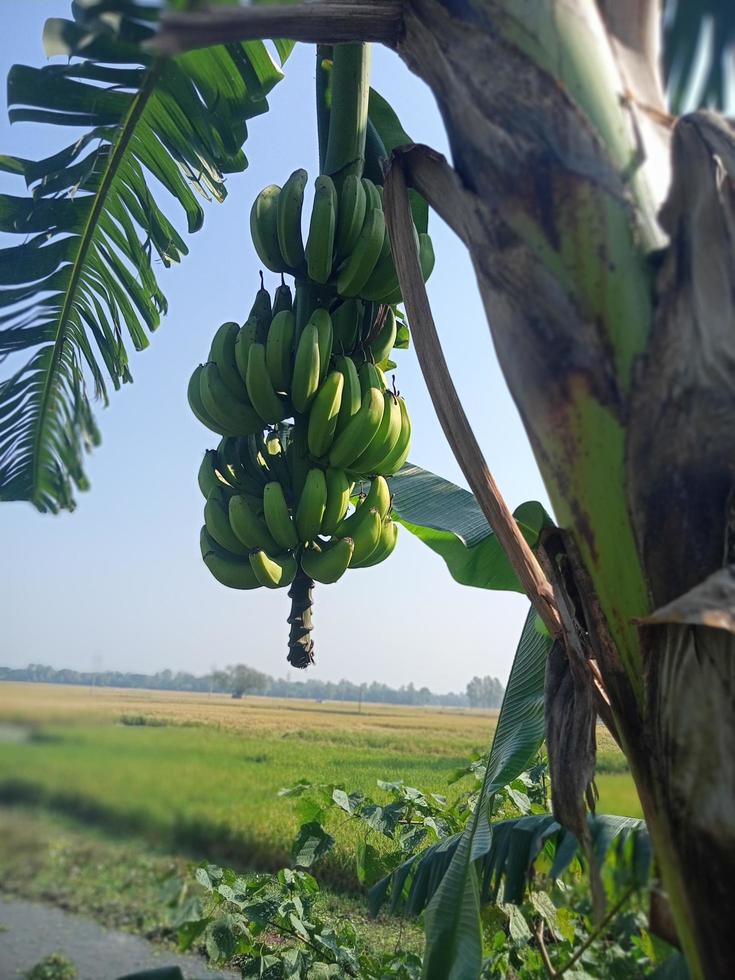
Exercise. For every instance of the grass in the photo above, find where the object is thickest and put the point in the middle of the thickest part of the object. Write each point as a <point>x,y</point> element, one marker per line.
<point>149,780</point>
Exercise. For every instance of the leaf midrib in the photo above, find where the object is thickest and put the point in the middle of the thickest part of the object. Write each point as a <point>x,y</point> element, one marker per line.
<point>126,131</point>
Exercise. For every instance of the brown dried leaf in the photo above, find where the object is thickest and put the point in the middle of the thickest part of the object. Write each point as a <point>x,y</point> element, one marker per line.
<point>711,603</point>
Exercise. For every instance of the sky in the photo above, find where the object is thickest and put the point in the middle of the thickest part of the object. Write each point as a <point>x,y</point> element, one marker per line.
<point>119,584</point>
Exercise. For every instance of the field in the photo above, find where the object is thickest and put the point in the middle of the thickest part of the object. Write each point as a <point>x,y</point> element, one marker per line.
<point>194,776</point>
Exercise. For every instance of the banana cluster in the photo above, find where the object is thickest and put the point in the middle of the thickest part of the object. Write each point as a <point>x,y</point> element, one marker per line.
<point>268,510</point>
<point>347,246</point>
<point>310,428</point>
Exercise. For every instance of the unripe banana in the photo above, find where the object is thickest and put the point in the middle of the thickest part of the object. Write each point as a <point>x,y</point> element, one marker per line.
<point>273,573</point>
<point>283,299</point>
<point>312,503</point>
<point>246,337</point>
<point>231,466</point>
<point>209,477</point>
<point>371,377</point>
<point>277,463</point>
<point>378,498</point>
<point>329,563</point>
<point>394,460</point>
<point>278,349</point>
<point>252,459</point>
<point>339,488</point>
<point>385,439</point>
<point>249,529</point>
<point>325,333</point>
<point>305,378</point>
<point>359,431</point>
<point>261,311</point>
<point>385,547</point>
<point>290,203</point>
<point>352,392</point>
<point>297,455</point>
<point>264,228</point>
<point>350,215</point>
<point>383,279</point>
<point>355,270</point>
<point>368,320</point>
<point>367,536</point>
<point>269,406</point>
<point>383,343</point>
<point>234,417</point>
<point>278,518</point>
<point>222,353</point>
<point>194,396</point>
<point>233,572</point>
<point>320,243</point>
<point>346,320</point>
<point>372,195</point>
<point>217,522</point>
<point>324,413</point>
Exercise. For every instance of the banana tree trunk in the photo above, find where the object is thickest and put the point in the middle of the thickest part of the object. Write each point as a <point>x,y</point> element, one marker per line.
<point>601,234</point>
<point>616,335</point>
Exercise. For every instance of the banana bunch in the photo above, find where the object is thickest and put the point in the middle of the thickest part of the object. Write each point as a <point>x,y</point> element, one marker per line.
<point>347,246</point>
<point>267,512</point>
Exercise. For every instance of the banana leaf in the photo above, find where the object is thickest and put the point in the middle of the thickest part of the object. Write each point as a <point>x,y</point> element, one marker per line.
<point>699,39</point>
<point>80,288</point>
<point>449,520</point>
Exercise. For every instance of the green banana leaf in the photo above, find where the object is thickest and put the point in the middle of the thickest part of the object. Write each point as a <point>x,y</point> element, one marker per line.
<point>83,275</point>
<point>449,520</point>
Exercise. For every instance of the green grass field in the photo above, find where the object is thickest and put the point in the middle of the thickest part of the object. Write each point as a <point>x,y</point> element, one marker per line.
<point>197,776</point>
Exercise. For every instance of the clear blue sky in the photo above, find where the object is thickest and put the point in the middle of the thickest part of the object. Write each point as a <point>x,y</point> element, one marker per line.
<point>119,584</point>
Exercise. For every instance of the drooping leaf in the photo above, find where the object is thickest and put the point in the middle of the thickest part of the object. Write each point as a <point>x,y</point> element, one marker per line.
<point>449,520</point>
<point>312,843</point>
<point>82,277</point>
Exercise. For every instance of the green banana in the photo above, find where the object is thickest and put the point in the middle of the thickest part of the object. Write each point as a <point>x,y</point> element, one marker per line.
<point>222,352</point>
<point>328,564</point>
<point>248,527</point>
<point>235,417</point>
<point>194,396</point>
<point>273,573</point>
<point>290,203</point>
<point>371,376</point>
<point>278,349</point>
<point>385,439</point>
<point>233,572</point>
<point>277,516</point>
<point>339,488</point>
<point>384,278</point>
<point>378,497</point>
<point>305,378</point>
<point>277,462</point>
<point>312,503</point>
<point>372,195</point>
<point>383,343</point>
<point>355,270</point>
<point>230,465</point>
<point>351,394</point>
<point>217,522</point>
<point>209,477</point>
<point>320,242</point>
<point>368,320</point>
<point>247,335</point>
<point>323,414</point>
<point>350,215</point>
<point>346,321</point>
<point>325,333</point>
<point>261,310</point>
<point>252,460</point>
<point>385,547</point>
<point>264,228</point>
<point>394,460</point>
<point>283,299</point>
<point>357,435</point>
<point>269,406</point>
<point>297,456</point>
<point>366,536</point>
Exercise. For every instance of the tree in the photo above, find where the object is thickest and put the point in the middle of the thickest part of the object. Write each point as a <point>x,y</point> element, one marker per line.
<point>485,692</point>
<point>600,229</point>
<point>242,680</point>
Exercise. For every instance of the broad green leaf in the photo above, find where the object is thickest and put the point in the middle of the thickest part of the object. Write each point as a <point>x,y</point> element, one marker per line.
<point>448,519</point>
<point>83,276</point>
<point>312,843</point>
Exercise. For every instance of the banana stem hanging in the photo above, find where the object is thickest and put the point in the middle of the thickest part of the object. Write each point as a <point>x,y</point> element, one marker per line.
<point>350,91</point>
<point>300,642</point>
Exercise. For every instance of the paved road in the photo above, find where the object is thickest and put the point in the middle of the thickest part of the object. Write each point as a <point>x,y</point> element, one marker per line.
<point>29,931</point>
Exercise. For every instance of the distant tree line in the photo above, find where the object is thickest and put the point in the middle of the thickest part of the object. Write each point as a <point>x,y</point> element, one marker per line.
<point>239,680</point>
